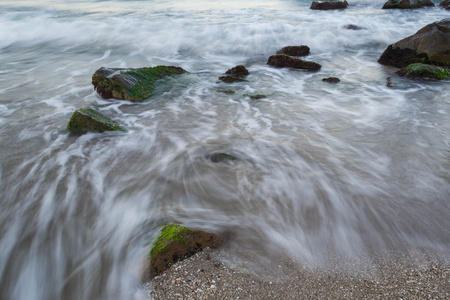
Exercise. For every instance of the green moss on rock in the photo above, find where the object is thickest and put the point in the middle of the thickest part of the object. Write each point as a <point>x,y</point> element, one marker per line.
<point>131,84</point>
<point>89,120</point>
<point>169,233</point>
<point>255,96</point>
<point>423,70</point>
<point>230,79</point>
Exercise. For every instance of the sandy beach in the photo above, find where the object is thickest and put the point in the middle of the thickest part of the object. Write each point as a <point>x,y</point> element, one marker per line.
<point>390,276</point>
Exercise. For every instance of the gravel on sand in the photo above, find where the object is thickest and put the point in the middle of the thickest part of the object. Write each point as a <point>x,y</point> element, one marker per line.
<point>395,276</point>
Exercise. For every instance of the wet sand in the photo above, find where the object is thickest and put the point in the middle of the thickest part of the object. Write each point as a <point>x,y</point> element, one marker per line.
<point>387,276</point>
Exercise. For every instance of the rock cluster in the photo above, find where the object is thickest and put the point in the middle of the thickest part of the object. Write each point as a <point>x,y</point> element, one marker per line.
<point>235,74</point>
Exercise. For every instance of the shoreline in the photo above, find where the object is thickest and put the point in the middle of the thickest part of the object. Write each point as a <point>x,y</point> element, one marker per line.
<point>395,276</point>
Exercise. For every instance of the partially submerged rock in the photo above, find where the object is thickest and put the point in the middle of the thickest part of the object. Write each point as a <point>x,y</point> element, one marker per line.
<point>424,71</point>
<point>226,91</point>
<point>130,84</point>
<point>89,120</point>
<point>327,5</point>
<point>176,243</point>
<point>239,70</point>
<point>294,50</point>
<point>286,61</point>
<point>407,4</point>
<point>331,79</point>
<point>230,79</point>
<point>429,45</point>
<point>445,4</point>
<point>353,27</point>
<point>218,157</point>
<point>255,96</point>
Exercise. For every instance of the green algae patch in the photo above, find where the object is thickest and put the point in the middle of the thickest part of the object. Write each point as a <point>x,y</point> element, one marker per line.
<point>256,96</point>
<point>226,91</point>
<point>176,243</point>
<point>426,71</point>
<point>169,233</point>
<point>89,120</point>
<point>131,84</point>
<point>231,79</point>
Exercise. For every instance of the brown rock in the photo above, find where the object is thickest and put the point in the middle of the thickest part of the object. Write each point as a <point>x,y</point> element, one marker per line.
<point>285,61</point>
<point>294,50</point>
<point>331,79</point>
<point>327,5</point>
<point>407,4</point>
<point>239,70</point>
<point>430,45</point>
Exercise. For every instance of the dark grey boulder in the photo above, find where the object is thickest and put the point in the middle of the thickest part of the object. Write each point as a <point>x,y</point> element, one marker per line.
<point>327,5</point>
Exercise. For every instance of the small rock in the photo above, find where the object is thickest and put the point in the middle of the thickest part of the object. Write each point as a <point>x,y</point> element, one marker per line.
<point>331,79</point>
<point>283,61</point>
<point>327,5</point>
<point>89,120</point>
<point>230,79</point>
<point>354,27</point>
<point>294,50</point>
<point>424,71</point>
<point>239,70</point>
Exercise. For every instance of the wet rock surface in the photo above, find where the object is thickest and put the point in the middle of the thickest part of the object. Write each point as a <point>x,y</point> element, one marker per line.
<point>131,84</point>
<point>424,71</point>
<point>445,4</point>
<point>327,5</point>
<point>231,79</point>
<point>407,4</point>
<point>295,50</point>
<point>429,45</point>
<point>85,120</point>
<point>331,79</point>
<point>239,70</point>
<point>286,61</point>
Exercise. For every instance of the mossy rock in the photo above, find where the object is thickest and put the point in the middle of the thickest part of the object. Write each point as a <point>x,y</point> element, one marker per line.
<point>255,96</point>
<point>231,79</point>
<point>424,71</point>
<point>407,4</point>
<point>226,91</point>
<point>89,120</point>
<point>176,243</point>
<point>239,70</point>
<point>295,50</point>
<point>286,61</point>
<point>131,84</point>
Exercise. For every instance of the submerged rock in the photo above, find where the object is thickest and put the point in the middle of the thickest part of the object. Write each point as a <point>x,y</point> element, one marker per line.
<point>226,91</point>
<point>230,79</point>
<point>429,45</point>
<point>221,157</point>
<point>130,84</point>
<point>353,27</point>
<point>331,79</point>
<point>295,50</point>
<point>424,71</point>
<point>176,243</point>
<point>407,4</point>
<point>327,5</point>
<point>239,70</point>
<point>88,120</point>
<point>445,4</point>
<point>286,61</point>
<point>256,96</point>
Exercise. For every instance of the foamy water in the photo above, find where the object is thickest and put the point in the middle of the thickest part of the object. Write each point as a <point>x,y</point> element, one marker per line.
<point>323,169</point>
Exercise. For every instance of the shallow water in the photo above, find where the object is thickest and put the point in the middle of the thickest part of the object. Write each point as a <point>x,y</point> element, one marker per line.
<point>323,169</point>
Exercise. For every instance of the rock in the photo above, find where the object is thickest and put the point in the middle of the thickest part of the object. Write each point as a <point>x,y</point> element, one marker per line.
<point>221,157</point>
<point>295,50</point>
<point>230,79</point>
<point>176,243</point>
<point>353,27</point>
<point>255,96</point>
<point>130,84</point>
<point>226,91</point>
<point>331,79</point>
<point>326,5</point>
<point>86,119</point>
<point>445,4</point>
<point>429,45</point>
<point>239,70</point>
<point>283,61</point>
<point>424,71</point>
<point>407,4</point>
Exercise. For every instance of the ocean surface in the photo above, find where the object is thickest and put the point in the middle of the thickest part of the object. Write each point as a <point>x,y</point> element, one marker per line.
<point>323,170</point>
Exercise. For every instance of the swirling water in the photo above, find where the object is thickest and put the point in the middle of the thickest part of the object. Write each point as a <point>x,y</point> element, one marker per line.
<point>323,169</point>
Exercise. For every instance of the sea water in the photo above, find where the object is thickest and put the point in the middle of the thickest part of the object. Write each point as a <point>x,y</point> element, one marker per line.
<point>322,169</point>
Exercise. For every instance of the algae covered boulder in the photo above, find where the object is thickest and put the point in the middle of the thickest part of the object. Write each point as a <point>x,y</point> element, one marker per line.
<point>89,120</point>
<point>294,50</point>
<point>286,61</point>
<point>424,71</point>
<point>327,5</point>
<point>176,243</point>
<point>131,84</point>
<point>407,4</point>
<point>429,45</point>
